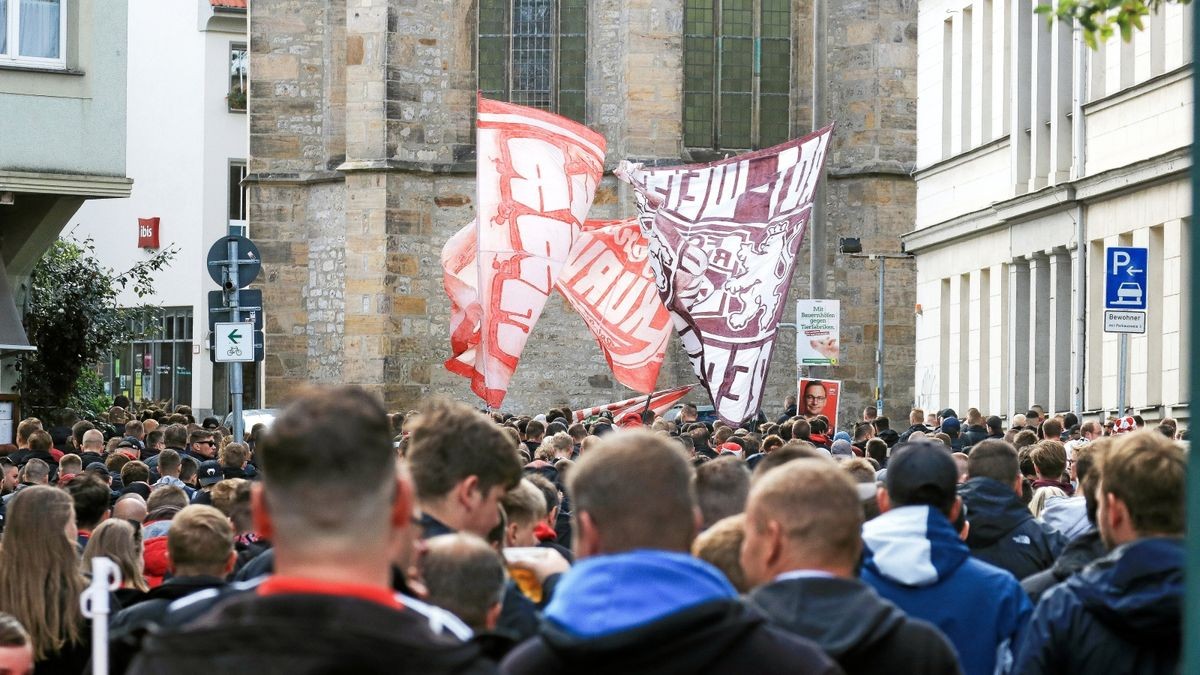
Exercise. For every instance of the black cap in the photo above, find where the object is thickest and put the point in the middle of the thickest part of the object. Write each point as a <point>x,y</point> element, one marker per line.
<point>922,473</point>
<point>210,423</point>
<point>210,472</point>
<point>948,412</point>
<point>994,422</point>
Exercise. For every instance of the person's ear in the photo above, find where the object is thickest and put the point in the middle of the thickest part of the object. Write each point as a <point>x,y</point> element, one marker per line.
<point>510,534</point>
<point>774,538</point>
<point>552,517</point>
<point>402,505</point>
<point>229,564</point>
<point>492,617</point>
<point>466,490</point>
<point>588,541</point>
<point>881,497</point>
<point>261,513</point>
<point>1116,512</point>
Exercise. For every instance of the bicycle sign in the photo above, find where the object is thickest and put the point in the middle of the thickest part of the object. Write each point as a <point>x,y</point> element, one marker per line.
<point>233,342</point>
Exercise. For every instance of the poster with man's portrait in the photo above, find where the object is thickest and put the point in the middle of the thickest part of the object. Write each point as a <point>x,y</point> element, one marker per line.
<point>819,397</point>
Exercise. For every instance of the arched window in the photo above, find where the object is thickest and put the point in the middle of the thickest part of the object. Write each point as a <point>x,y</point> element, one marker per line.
<point>533,52</point>
<point>737,73</point>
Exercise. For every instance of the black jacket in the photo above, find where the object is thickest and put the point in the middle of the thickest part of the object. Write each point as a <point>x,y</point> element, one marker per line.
<point>1078,553</point>
<point>889,436</point>
<point>718,637</point>
<point>973,434</point>
<point>1003,531</point>
<point>859,629</point>
<point>913,429</point>
<point>1121,614</point>
<point>153,605</point>
<point>302,633</point>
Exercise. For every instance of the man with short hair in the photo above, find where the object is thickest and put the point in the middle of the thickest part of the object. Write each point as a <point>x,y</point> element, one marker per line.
<point>721,489</point>
<point>463,575</point>
<point>200,556</point>
<point>637,601</point>
<point>688,414</point>
<point>863,432</point>
<point>169,466</point>
<point>90,496</point>
<point>534,431</point>
<point>1123,613</point>
<point>91,448</point>
<point>975,431</point>
<point>1051,430</point>
<point>202,445</point>
<point>995,427</point>
<point>462,465</point>
<point>25,429</point>
<point>870,413</point>
<point>234,457</point>
<point>916,421</point>
<point>1003,532</point>
<point>38,446</point>
<point>885,432</point>
<point>333,560</point>
<point>35,472</point>
<point>801,550</point>
<point>524,507</point>
<point>915,558</point>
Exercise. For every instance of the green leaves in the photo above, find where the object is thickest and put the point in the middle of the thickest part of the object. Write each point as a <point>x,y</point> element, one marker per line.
<point>1099,19</point>
<point>74,318</point>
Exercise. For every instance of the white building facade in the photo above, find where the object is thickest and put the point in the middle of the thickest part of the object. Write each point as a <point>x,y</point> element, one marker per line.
<point>187,148</point>
<point>1034,155</point>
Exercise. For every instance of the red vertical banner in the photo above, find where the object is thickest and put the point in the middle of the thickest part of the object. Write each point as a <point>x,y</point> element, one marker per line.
<point>537,174</point>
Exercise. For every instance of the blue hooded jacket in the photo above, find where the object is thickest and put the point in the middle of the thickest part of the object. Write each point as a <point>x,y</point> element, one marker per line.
<point>659,612</point>
<point>1121,614</point>
<point>914,558</point>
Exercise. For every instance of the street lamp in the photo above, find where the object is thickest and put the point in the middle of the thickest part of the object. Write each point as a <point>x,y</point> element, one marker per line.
<point>852,246</point>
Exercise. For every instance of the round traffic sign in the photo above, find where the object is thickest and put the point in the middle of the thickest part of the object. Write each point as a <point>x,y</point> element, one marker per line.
<point>249,263</point>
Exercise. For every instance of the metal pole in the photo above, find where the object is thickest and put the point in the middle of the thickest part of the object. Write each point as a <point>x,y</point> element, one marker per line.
<point>1191,622</point>
<point>1078,148</point>
<point>816,226</point>
<point>1122,366</point>
<point>879,346</point>
<point>235,368</point>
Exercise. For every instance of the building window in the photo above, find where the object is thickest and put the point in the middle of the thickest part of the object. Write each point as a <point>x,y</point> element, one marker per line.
<point>239,61</point>
<point>736,73</point>
<point>157,366</point>
<point>533,52</point>
<point>33,32</point>
<point>237,197</point>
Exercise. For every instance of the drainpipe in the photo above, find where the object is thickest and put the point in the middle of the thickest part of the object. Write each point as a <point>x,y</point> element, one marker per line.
<point>1078,142</point>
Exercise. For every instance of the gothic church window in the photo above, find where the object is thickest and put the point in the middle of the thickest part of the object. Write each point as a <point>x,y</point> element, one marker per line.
<point>533,52</point>
<point>736,73</point>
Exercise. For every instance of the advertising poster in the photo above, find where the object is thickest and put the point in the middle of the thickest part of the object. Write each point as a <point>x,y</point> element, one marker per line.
<point>817,332</point>
<point>820,397</point>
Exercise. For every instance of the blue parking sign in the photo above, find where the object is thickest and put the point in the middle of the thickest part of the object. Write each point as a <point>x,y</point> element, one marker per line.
<point>1125,278</point>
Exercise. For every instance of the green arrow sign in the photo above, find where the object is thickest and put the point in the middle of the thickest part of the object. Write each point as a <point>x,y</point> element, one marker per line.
<point>234,337</point>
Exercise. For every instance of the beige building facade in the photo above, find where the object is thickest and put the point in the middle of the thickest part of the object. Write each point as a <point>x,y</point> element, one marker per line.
<point>1034,154</point>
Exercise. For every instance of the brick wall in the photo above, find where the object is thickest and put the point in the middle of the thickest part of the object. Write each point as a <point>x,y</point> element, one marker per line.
<point>362,153</point>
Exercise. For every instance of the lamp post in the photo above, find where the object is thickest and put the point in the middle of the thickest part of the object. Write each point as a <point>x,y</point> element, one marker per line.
<point>852,246</point>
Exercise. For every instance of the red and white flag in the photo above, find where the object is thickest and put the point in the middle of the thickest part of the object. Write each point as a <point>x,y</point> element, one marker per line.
<point>536,175</point>
<point>608,280</point>
<point>723,239</point>
<point>660,402</point>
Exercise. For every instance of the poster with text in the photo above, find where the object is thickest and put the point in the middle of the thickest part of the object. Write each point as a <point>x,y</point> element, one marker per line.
<point>820,397</point>
<point>817,332</point>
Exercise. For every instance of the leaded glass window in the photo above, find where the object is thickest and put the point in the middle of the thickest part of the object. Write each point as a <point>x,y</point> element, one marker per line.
<point>533,52</point>
<point>736,73</point>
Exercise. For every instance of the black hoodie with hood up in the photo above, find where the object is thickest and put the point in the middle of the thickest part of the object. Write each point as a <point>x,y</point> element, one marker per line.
<point>1003,531</point>
<point>863,632</point>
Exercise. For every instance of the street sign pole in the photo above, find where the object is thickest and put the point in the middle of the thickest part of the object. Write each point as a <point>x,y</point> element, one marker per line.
<point>879,347</point>
<point>235,368</point>
<point>1122,367</point>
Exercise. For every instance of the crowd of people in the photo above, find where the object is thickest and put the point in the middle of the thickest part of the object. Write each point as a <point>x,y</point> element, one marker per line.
<point>446,540</point>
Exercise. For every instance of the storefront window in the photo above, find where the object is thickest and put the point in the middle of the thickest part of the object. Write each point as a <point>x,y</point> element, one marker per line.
<point>157,367</point>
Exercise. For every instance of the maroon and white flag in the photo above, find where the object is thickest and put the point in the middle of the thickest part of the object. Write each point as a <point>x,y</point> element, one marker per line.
<point>660,402</point>
<point>723,239</point>
<point>536,176</point>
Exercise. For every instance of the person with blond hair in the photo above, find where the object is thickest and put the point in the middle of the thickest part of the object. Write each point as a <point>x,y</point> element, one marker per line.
<point>120,542</point>
<point>40,580</point>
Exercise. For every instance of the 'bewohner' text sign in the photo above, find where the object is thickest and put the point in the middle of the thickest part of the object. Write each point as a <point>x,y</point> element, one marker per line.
<point>1124,321</point>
